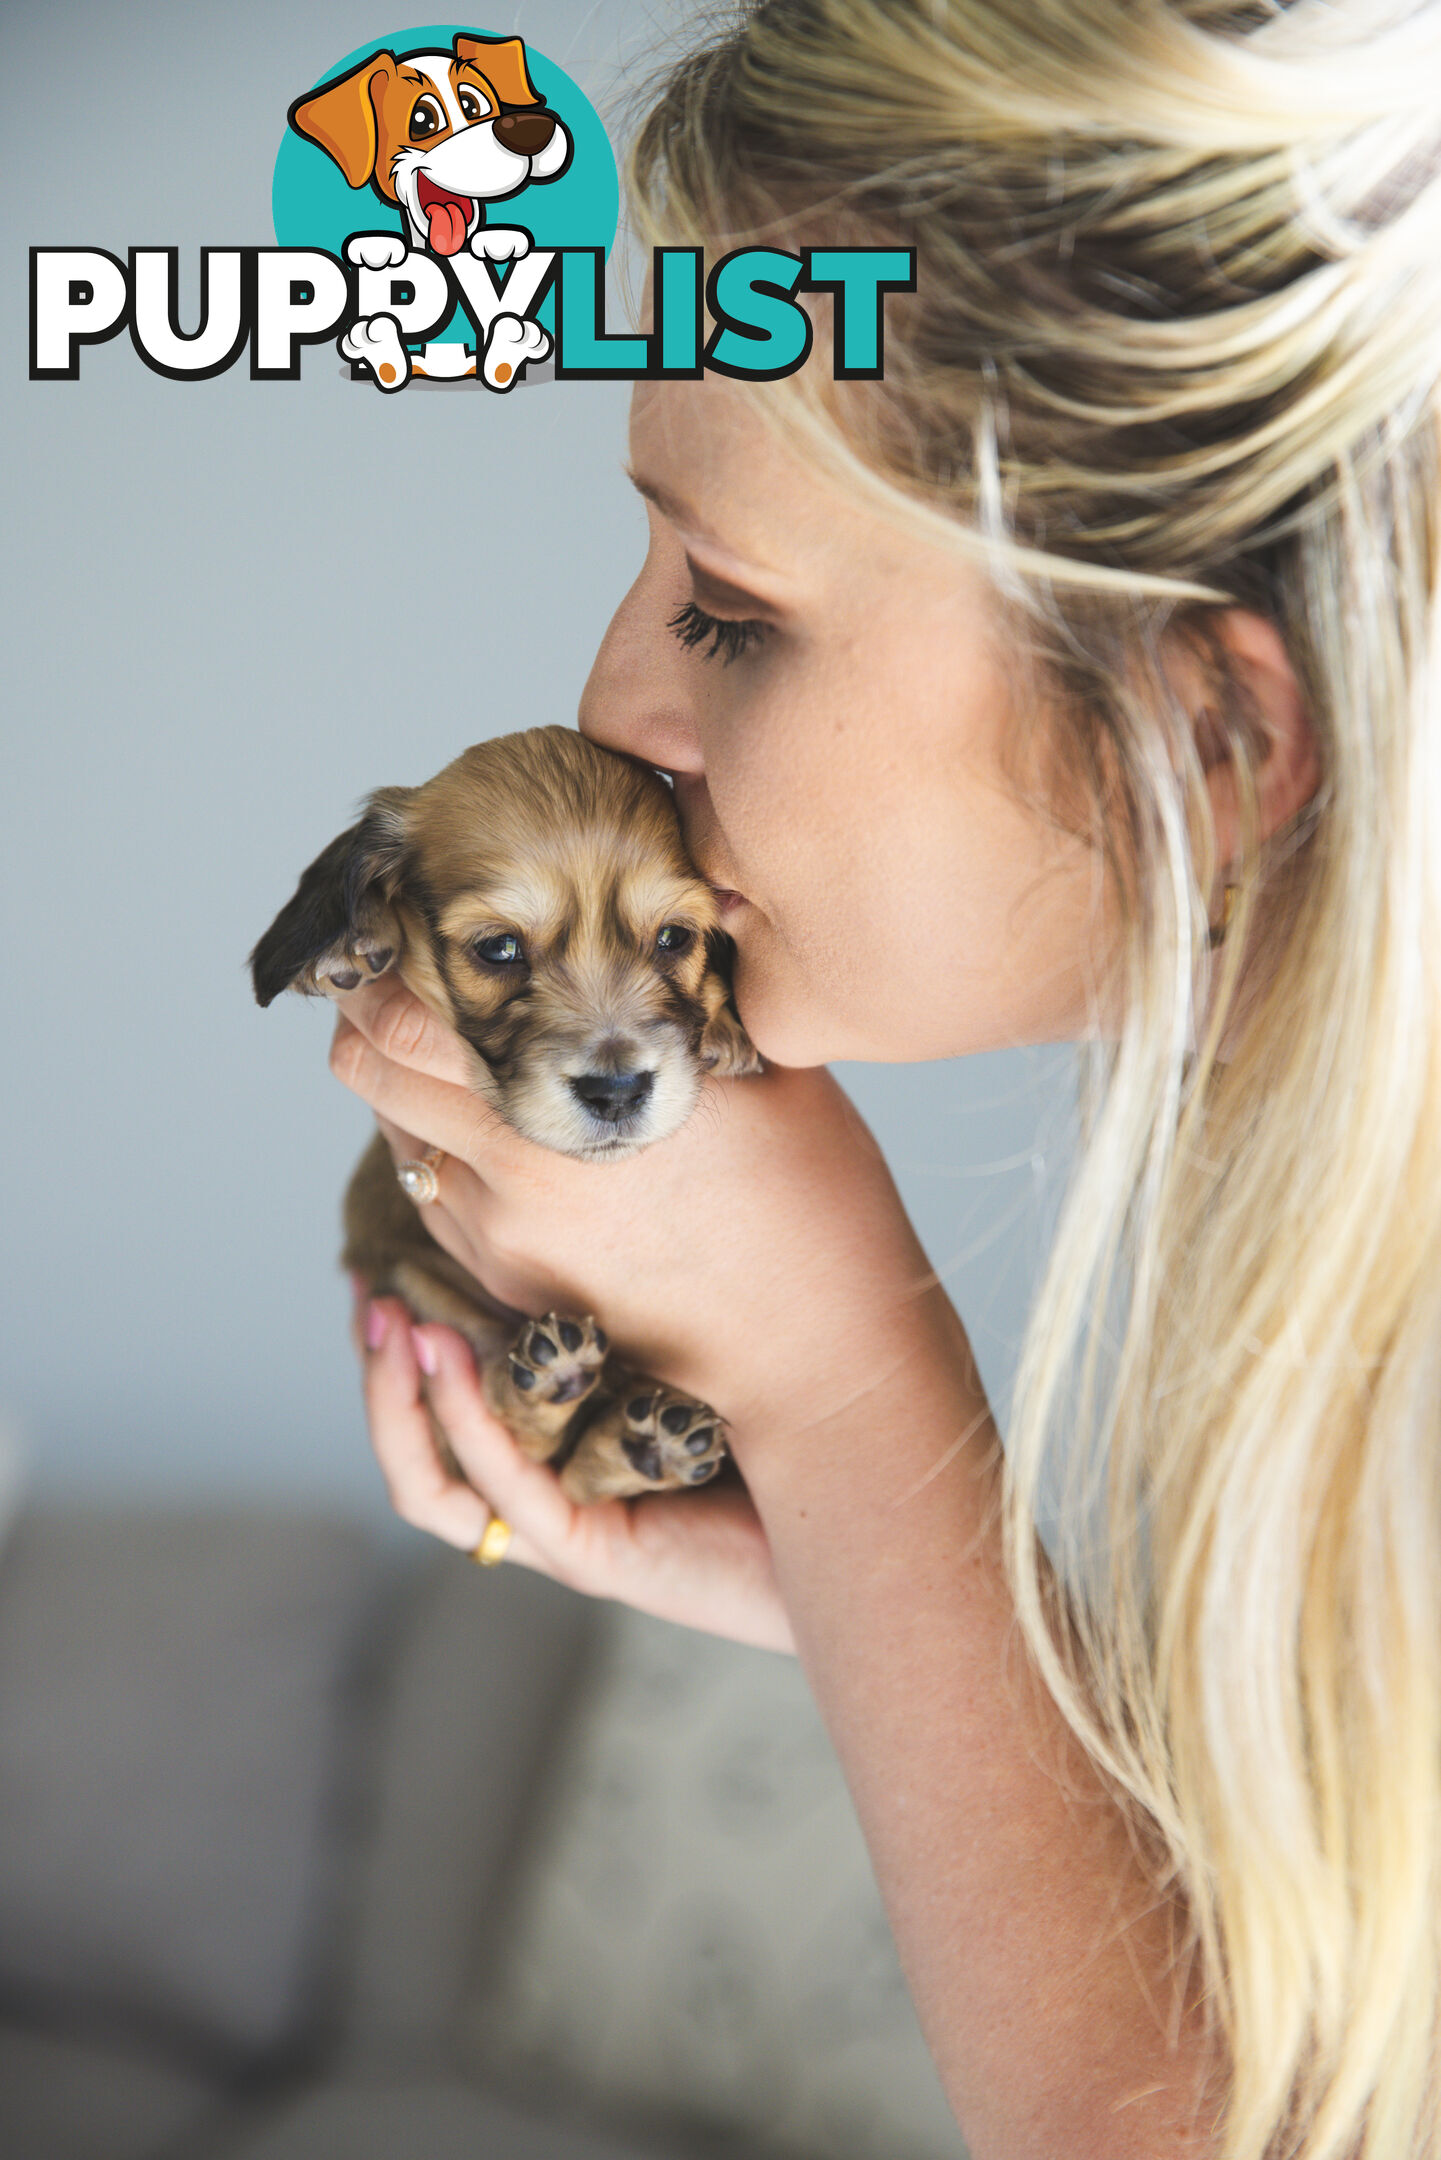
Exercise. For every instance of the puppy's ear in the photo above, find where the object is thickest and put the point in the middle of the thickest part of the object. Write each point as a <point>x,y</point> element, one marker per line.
<point>340,116</point>
<point>340,927</point>
<point>502,62</point>
<point>724,1048</point>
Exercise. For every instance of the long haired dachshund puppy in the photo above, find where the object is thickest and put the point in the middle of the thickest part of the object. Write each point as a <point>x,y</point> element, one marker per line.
<point>537,897</point>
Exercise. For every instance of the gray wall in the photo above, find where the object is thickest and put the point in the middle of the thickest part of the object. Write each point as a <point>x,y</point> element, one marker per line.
<point>212,649</point>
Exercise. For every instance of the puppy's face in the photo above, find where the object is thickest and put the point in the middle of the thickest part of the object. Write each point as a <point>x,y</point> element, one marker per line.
<point>536,895</point>
<point>441,134</point>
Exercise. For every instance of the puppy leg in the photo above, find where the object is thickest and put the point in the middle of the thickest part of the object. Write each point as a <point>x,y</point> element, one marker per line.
<point>512,342</point>
<point>724,1048</point>
<point>536,1384</point>
<point>374,343</point>
<point>650,1439</point>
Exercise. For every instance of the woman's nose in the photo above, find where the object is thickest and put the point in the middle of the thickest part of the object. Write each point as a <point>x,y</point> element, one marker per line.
<point>639,696</point>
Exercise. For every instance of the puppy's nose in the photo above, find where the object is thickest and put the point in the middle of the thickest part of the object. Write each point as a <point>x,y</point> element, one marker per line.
<point>614,1095</point>
<point>525,133</point>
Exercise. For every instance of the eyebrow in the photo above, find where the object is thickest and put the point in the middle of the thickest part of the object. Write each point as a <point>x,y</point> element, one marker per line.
<point>671,506</point>
<point>684,518</point>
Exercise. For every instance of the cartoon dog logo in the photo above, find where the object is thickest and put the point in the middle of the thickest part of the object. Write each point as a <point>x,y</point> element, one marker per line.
<point>440,135</point>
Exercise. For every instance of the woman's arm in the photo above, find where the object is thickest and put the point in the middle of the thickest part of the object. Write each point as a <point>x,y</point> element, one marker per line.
<point>1039,1957</point>
<point>761,1259</point>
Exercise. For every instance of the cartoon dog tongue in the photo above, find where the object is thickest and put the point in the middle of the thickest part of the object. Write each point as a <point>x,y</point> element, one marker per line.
<point>446,214</point>
<point>446,217</point>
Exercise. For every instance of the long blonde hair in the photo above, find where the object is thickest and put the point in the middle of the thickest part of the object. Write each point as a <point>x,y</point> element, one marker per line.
<point>1176,345</point>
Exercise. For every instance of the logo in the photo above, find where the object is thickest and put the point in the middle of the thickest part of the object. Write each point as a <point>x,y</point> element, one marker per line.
<point>444,201</point>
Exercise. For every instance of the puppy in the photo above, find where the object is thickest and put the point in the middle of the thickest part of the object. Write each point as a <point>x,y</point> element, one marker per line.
<point>440,135</point>
<point>537,897</point>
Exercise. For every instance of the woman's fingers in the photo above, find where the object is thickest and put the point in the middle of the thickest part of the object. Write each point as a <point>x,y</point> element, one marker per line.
<point>543,1521</point>
<point>450,1116</point>
<point>407,1395</point>
<point>423,1490</point>
<point>395,1023</point>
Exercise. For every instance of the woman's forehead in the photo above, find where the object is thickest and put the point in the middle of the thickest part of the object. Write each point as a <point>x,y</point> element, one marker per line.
<point>730,483</point>
<point>703,454</point>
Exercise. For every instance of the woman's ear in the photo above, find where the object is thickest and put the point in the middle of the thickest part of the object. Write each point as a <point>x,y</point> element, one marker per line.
<point>1288,773</point>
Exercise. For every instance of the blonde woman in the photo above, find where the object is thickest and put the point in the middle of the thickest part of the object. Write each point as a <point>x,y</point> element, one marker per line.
<point>1078,680</point>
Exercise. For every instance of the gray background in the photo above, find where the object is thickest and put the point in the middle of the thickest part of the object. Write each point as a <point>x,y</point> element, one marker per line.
<point>230,609</point>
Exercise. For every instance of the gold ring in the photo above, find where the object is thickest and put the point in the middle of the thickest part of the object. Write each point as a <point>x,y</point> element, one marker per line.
<point>495,1543</point>
<point>419,1180</point>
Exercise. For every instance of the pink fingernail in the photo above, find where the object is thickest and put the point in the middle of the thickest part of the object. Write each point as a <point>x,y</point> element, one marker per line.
<point>377,1327</point>
<point>425,1356</point>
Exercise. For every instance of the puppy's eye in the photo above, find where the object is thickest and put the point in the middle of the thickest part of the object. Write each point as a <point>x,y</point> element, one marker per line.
<point>673,938</point>
<point>426,120</point>
<point>471,105</point>
<point>502,949</point>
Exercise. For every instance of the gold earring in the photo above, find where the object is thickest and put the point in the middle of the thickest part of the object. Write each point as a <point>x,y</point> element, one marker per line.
<point>1228,909</point>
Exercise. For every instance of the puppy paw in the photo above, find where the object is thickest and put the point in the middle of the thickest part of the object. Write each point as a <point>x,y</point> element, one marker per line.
<point>726,1050</point>
<point>671,1439</point>
<point>513,341</point>
<point>375,343</point>
<point>500,243</point>
<point>557,1359</point>
<point>375,251</point>
<point>345,967</point>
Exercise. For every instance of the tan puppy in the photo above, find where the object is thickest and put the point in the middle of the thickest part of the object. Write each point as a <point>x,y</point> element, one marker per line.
<point>537,897</point>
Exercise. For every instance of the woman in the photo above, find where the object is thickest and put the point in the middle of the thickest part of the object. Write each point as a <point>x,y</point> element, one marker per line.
<point>1079,679</point>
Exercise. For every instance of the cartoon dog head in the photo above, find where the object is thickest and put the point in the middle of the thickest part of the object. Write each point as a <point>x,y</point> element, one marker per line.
<point>439,134</point>
<point>537,896</point>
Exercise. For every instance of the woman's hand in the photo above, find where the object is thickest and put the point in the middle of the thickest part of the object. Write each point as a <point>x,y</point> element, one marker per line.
<point>759,1259</point>
<point>699,1558</point>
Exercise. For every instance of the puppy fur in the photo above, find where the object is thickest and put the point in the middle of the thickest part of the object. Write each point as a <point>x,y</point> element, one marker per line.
<point>535,895</point>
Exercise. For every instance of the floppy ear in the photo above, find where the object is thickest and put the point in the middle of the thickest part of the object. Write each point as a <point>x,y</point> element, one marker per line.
<point>340,116</point>
<point>340,927</point>
<point>502,62</point>
<point>724,1048</point>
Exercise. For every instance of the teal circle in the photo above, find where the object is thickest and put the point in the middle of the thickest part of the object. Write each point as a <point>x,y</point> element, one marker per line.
<point>313,205</point>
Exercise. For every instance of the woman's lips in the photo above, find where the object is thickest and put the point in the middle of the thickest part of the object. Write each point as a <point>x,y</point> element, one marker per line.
<point>728,900</point>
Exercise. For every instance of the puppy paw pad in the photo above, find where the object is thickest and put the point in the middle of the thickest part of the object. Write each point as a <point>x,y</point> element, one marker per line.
<point>559,1356</point>
<point>672,1439</point>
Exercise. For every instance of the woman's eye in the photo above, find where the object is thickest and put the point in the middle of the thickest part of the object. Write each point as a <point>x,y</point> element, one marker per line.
<point>674,937</point>
<point>426,120</point>
<point>502,950</point>
<point>693,626</point>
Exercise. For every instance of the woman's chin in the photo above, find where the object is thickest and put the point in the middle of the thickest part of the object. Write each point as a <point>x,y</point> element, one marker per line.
<point>781,1028</point>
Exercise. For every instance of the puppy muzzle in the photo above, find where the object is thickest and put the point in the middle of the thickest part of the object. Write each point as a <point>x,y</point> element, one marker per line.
<point>614,1098</point>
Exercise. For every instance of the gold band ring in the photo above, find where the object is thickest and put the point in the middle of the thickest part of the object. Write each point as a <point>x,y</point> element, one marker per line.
<point>495,1542</point>
<point>419,1179</point>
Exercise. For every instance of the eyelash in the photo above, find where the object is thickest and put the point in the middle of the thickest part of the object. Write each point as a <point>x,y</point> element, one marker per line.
<point>693,626</point>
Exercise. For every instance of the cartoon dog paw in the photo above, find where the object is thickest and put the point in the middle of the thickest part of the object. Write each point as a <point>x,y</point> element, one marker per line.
<point>513,341</point>
<point>375,343</point>
<point>375,250</point>
<point>500,243</point>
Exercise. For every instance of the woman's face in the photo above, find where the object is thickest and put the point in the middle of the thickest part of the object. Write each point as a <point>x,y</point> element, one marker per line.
<point>831,698</point>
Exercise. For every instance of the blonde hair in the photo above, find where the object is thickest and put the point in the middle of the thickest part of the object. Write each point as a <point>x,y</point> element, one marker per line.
<point>1176,345</point>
